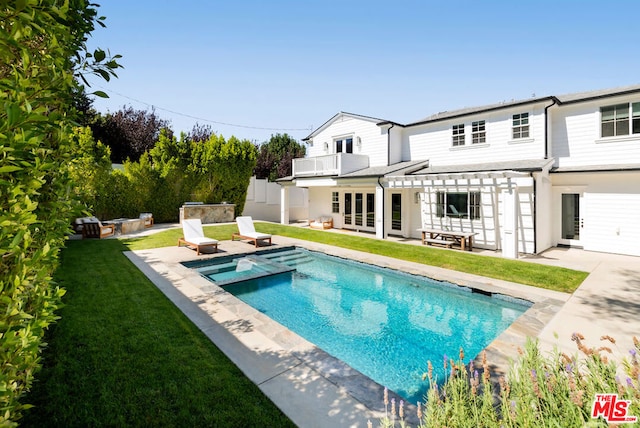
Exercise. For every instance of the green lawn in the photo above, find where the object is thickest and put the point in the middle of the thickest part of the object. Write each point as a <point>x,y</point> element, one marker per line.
<point>543,276</point>
<point>124,355</point>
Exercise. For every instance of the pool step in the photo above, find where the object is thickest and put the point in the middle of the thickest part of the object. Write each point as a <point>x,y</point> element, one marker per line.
<point>292,258</point>
<point>243,269</point>
<point>237,269</point>
<point>218,268</point>
<point>280,254</point>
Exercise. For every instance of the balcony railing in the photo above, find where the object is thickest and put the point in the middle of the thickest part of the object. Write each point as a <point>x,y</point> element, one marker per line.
<point>335,164</point>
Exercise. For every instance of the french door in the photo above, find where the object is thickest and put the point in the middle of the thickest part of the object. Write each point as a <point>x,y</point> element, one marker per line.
<point>359,210</point>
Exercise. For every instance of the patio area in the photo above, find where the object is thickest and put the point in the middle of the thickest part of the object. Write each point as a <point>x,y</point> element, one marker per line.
<point>316,390</point>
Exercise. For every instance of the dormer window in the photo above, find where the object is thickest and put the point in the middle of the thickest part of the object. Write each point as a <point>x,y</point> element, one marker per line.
<point>520,126</point>
<point>458,135</point>
<point>614,120</point>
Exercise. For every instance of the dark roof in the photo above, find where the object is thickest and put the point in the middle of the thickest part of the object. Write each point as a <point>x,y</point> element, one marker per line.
<point>444,115</point>
<point>593,95</point>
<point>528,165</point>
<point>400,168</point>
<point>594,168</point>
<point>560,99</point>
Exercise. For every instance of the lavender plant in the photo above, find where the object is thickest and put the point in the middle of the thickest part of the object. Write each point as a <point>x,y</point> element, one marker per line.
<point>539,390</point>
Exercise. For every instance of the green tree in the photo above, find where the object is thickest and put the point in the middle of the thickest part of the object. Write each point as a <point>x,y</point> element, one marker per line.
<point>89,166</point>
<point>275,157</point>
<point>169,153</point>
<point>159,189</point>
<point>224,169</point>
<point>42,51</point>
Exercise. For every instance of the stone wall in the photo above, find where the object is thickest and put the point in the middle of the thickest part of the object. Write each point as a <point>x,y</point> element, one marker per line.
<point>209,213</point>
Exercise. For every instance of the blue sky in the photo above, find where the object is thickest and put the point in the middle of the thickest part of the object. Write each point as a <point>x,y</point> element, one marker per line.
<point>288,66</point>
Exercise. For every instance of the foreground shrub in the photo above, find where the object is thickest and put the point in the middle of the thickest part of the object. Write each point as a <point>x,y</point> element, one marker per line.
<point>555,390</point>
<point>41,47</point>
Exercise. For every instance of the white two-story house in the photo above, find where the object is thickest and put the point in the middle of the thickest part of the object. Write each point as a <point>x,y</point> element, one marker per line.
<point>523,175</point>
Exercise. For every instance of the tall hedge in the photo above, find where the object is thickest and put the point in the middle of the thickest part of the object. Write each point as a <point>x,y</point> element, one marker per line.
<point>42,46</point>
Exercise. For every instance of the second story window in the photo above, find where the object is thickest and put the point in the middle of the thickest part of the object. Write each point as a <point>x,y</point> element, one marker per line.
<point>614,120</point>
<point>458,135</point>
<point>520,126</point>
<point>478,132</point>
<point>344,145</point>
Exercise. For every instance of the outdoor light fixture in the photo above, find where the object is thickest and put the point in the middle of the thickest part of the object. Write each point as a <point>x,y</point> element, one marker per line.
<point>326,146</point>
<point>359,142</point>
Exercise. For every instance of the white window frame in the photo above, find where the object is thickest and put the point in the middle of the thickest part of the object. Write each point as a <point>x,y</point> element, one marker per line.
<point>343,144</point>
<point>473,210</point>
<point>478,132</point>
<point>335,202</point>
<point>457,135</point>
<point>622,112</point>
<point>520,126</point>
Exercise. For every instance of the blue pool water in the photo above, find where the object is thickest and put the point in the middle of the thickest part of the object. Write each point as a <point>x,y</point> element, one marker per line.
<point>382,322</point>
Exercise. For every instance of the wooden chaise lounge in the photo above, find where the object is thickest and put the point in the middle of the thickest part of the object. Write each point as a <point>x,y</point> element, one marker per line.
<point>247,231</point>
<point>194,236</point>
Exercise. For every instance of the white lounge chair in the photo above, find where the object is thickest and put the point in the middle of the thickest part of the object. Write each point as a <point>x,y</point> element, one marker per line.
<point>247,231</point>
<point>194,235</point>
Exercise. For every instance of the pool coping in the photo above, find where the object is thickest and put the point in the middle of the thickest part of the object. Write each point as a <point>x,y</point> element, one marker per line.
<point>312,388</point>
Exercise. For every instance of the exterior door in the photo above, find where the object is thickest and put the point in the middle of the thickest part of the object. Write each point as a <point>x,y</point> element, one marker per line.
<point>396,213</point>
<point>359,211</point>
<point>571,219</point>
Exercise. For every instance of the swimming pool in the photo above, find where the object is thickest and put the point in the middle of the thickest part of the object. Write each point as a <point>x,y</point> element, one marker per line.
<point>382,322</point>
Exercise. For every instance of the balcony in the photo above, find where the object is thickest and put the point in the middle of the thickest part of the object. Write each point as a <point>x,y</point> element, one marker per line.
<point>336,164</point>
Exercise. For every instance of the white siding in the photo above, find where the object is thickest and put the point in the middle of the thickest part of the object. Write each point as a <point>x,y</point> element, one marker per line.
<point>576,136</point>
<point>544,219</point>
<point>611,210</point>
<point>320,204</point>
<point>487,226</point>
<point>612,225</point>
<point>263,201</point>
<point>395,146</point>
<point>372,137</point>
<point>434,141</point>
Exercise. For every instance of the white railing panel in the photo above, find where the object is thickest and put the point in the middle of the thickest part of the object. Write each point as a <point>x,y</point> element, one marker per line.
<point>335,164</point>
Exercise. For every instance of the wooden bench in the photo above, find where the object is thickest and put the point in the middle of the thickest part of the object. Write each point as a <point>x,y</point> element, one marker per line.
<point>449,238</point>
<point>447,243</point>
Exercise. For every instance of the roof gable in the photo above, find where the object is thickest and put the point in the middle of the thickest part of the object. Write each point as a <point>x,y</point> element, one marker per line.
<point>339,116</point>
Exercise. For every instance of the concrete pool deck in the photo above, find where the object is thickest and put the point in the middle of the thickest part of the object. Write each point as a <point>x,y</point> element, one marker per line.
<point>315,390</point>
